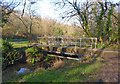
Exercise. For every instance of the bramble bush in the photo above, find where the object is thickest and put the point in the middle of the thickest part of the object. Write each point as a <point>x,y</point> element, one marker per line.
<point>9,54</point>
<point>33,55</point>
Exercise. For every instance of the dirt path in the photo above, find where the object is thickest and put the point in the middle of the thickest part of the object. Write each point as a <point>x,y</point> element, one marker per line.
<point>110,70</point>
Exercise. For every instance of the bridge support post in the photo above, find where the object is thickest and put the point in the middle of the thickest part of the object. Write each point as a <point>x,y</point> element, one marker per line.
<point>44,54</point>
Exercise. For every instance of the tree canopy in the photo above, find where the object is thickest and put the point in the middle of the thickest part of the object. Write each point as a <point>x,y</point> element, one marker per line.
<point>97,18</point>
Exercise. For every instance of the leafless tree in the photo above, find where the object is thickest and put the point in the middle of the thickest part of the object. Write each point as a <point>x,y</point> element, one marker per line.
<point>76,9</point>
<point>6,8</point>
<point>30,14</point>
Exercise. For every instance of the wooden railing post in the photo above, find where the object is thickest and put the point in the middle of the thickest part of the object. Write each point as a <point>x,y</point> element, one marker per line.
<point>80,42</point>
<point>95,43</point>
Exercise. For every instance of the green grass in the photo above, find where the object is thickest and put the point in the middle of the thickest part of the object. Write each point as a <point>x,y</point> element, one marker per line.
<point>76,73</point>
<point>19,44</point>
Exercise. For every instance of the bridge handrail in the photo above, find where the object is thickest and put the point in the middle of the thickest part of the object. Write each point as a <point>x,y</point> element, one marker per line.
<point>93,41</point>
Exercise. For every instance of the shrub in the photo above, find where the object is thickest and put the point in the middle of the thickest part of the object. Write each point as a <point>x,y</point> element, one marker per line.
<point>6,46</point>
<point>33,55</point>
<point>100,45</point>
<point>9,55</point>
<point>57,31</point>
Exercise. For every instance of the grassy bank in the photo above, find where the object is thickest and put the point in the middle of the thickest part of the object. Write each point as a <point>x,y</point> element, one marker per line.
<point>71,71</point>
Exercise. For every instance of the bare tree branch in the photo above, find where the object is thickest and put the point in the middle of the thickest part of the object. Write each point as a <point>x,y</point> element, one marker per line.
<point>23,8</point>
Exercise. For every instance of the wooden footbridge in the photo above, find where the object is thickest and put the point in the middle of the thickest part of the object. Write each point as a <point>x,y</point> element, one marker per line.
<point>60,46</point>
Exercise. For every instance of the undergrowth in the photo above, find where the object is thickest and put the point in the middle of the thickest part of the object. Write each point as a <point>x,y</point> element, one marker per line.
<point>70,72</point>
